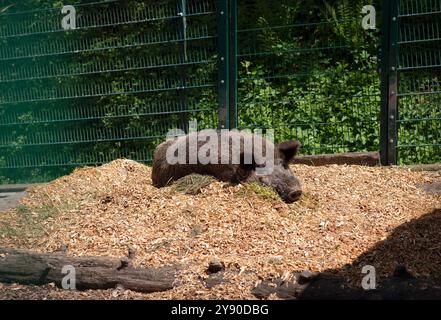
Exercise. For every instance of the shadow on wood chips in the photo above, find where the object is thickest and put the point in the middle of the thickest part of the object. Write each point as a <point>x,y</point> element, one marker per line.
<point>413,243</point>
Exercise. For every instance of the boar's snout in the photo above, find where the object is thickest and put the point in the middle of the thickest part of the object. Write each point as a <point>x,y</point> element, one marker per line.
<point>294,196</point>
<point>287,185</point>
<point>291,195</point>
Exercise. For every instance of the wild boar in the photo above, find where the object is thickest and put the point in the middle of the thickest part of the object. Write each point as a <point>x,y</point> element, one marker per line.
<point>231,156</point>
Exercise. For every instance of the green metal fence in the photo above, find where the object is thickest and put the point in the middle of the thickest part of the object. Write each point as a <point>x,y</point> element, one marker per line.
<point>411,110</point>
<point>419,81</point>
<point>110,88</point>
<point>112,84</point>
<point>309,70</point>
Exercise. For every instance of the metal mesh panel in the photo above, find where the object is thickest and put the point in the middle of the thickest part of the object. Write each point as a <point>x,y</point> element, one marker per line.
<point>111,88</point>
<point>419,89</point>
<point>309,70</point>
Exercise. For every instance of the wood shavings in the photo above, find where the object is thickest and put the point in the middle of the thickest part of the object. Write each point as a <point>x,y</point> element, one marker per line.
<point>343,213</point>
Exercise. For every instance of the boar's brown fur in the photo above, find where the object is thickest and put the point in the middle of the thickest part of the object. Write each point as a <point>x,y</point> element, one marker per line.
<point>281,178</point>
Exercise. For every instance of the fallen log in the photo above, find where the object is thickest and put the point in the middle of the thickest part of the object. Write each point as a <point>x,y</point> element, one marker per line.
<point>424,167</point>
<point>28,267</point>
<point>350,158</point>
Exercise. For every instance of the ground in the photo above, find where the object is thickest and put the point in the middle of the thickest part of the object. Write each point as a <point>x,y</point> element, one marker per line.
<point>348,217</point>
<point>10,199</point>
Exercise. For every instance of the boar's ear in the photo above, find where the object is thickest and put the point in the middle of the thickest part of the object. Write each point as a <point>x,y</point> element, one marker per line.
<point>288,149</point>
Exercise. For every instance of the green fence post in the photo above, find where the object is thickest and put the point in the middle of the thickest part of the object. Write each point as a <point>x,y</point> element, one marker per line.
<point>233,64</point>
<point>223,63</point>
<point>389,83</point>
<point>384,67</point>
<point>393,85</point>
<point>183,60</point>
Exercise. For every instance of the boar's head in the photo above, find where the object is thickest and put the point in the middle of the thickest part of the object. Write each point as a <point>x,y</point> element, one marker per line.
<point>281,178</point>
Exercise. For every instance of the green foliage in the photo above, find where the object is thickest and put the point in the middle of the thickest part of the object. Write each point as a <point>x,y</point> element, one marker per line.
<point>319,83</point>
<point>309,70</point>
<point>113,88</point>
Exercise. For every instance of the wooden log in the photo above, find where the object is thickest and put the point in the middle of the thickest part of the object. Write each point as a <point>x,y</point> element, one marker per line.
<point>352,158</point>
<point>424,167</point>
<point>27,267</point>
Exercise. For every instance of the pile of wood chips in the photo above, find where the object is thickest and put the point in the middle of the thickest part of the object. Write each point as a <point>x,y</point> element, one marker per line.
<point>344,212</point>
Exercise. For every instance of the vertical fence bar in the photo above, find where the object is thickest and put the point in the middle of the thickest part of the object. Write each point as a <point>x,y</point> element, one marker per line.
<point>233,64</point>
<point>393,85</point>
<point>384,69</point>
<point>183,116</point>
<point>389,83</point>
<point>223,63</point>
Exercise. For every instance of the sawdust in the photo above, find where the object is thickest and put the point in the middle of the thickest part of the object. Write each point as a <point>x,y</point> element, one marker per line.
<point>343,213</point>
